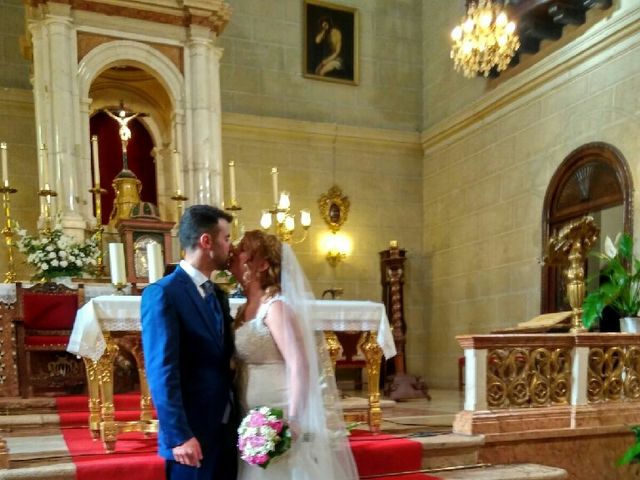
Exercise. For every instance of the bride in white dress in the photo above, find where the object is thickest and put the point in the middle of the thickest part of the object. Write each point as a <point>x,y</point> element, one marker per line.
<point>283,363</point>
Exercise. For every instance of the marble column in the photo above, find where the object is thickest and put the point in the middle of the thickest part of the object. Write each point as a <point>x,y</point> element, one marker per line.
<point>56,105</point>
<point>204,158</point>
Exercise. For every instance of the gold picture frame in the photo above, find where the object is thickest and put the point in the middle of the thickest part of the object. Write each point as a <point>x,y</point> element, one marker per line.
<point>334,208</point>
<point>331,49</point>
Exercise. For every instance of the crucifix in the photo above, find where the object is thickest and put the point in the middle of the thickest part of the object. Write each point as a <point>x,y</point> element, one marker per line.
<point>125,132</point>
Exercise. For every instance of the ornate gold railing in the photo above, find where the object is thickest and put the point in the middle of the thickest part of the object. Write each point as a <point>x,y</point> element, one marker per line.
<point>614,373</point>
<point>546,370</point>
<point>528,377</point>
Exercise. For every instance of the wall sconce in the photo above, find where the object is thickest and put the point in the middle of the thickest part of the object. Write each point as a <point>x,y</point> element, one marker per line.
<point>337,247</point>
<point>334,208</point>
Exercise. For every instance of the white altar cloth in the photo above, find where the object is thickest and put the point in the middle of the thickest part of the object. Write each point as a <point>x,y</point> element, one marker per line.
<point>121,313</point>
<point>91,290</point>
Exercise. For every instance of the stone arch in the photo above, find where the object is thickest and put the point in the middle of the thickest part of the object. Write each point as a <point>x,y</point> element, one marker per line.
<point>149,59</point>
<point>135,54</point>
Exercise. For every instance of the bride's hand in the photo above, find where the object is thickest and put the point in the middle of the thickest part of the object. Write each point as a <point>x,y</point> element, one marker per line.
<point>295,429</point>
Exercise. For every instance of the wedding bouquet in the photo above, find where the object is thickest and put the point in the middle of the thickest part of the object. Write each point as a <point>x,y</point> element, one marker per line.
<point>263,435</point>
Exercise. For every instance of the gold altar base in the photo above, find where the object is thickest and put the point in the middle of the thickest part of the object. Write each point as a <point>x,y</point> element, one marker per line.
<point>102,423</point>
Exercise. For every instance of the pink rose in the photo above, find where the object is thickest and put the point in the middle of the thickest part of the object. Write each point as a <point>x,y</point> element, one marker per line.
<point>276,425</point>
<point>257,420</point>
<point>256,441</point>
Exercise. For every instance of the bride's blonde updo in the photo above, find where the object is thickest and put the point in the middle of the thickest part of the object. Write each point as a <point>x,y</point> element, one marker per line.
<point>267,247</point>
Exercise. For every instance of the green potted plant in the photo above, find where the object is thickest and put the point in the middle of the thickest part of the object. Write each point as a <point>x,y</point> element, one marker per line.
<point>632,455</point>
<point>619,282</point>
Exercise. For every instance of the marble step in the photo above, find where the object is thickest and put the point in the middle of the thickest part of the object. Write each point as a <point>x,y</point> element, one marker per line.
<point>525,471</point>
<point>59,471</point>
<point>449,449</point>
<point>67,471</point>
<point>29,424</point>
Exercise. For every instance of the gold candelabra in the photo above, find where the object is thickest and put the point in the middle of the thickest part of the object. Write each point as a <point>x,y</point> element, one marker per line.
<point>234,209</point>
<point>284,224</point>
<point>97,192</point>
<point>179,198</point>
<point>7,231</point>
<point>47,193</point>
<point>568,249</point>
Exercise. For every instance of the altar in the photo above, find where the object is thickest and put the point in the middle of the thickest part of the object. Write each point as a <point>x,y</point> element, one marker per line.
<point>105,318</point>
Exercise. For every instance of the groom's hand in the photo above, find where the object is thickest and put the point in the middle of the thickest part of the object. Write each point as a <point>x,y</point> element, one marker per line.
<point>189,453</point>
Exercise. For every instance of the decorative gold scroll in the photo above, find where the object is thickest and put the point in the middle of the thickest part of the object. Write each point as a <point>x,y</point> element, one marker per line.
<point>614,373</point>
<point>522,377</point>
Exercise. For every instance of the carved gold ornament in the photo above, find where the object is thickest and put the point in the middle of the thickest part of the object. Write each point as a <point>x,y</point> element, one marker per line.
<point>334,208</point>
<point>528,377</point>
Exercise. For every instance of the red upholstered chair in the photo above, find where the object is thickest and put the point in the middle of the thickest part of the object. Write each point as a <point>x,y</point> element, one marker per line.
<point>351,358</point>
<point>44,320</point>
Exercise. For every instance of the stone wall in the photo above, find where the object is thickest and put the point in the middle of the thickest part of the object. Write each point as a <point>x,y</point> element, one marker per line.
<point>486,171</point>
<point>14,68</point>
<point>378,170</point>
<point>261,70</point>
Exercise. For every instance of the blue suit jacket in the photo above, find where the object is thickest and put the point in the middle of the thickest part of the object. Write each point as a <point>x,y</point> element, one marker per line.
<point>186,362</point>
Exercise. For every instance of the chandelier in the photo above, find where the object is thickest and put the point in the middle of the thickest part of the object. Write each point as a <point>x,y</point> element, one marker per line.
<point>285,223</point>
<point>485,39</point>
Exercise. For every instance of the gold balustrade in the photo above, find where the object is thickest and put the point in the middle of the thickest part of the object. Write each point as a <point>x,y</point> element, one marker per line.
<point>535,370</point>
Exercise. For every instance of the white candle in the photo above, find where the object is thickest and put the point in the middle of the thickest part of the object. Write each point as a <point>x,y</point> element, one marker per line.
<point>178,171</point>
<point>96,161</point>
<point>116,263</point>
<point>154,262</point>
<point>274,181</point>
<point>5,168</point>
<point>45,166</point>
<point>232,181</point>
<point>305,218</point>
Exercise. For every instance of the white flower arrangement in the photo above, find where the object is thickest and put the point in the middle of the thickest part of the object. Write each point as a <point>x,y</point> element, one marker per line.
<point>55,254</point>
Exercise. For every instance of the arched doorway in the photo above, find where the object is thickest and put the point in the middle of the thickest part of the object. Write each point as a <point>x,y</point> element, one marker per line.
<point>593,179</point>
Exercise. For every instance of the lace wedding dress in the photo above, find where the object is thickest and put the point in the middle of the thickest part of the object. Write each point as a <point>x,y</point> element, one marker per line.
<point>262,382</point>
<point>322,451</point>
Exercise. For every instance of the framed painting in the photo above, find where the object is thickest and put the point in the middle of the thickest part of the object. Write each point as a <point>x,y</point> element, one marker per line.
<point>330,42</point>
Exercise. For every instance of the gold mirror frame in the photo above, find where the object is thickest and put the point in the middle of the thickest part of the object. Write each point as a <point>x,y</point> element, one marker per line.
<point>334,208</point>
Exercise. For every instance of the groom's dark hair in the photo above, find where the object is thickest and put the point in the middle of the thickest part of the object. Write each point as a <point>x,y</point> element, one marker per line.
<point>199,219</point>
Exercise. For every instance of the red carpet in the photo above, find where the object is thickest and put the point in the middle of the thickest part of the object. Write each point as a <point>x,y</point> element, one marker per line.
<point>375,455</point>
<point>386,454</point>
<point>134,452</point>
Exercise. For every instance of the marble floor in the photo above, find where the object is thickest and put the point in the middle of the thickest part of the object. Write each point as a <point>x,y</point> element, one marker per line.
<point>435,415</point>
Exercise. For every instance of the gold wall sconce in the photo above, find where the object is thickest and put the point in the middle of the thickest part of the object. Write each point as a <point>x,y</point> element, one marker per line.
<point>334,209</point>
<point>337,247</point>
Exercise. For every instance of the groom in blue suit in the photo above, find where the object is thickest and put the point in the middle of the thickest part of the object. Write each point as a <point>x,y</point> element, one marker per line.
<point>187,341</point>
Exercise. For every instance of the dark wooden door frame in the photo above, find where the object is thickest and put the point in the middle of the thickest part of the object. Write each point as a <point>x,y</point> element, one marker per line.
<point>599,152</point>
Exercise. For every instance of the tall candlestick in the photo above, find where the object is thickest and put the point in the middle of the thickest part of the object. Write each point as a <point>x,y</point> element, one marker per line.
<point>116,263</point>
<point>45,165</point>
<point>232,181</point>
<point>5,168</point>
<point>274,181</point>
<point>154,262</point>
<point>96,162</point>
<point>178,170</point>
